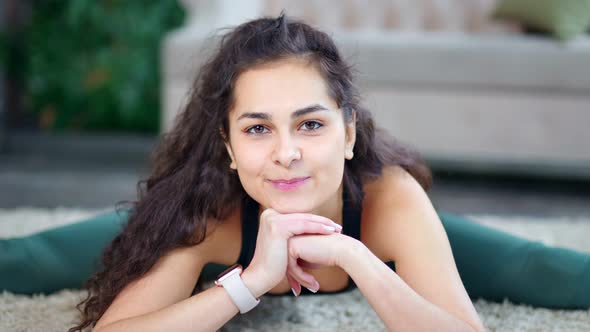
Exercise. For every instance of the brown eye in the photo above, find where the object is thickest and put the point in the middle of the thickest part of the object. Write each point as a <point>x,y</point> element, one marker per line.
<point>258,130</point>
<point>312,125</point>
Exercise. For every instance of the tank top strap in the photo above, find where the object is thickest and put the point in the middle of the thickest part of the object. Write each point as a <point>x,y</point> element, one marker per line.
<point>351,217</point>
<point>249,231</point>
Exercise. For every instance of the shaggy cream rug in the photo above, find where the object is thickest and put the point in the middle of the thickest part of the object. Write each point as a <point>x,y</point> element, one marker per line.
<point>340,312</point>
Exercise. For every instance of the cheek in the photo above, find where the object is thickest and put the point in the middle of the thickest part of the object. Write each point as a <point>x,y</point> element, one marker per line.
<point>327,152</point>
<point>250,157</point>
<point>327,159</point>
<point>326,155</point>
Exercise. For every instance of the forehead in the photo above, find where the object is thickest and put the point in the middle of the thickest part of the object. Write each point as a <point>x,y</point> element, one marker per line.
<point>280,86</point>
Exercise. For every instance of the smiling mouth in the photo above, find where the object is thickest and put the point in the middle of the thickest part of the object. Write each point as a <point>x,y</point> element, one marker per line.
<point>289,181</point>
<point>289,185</point>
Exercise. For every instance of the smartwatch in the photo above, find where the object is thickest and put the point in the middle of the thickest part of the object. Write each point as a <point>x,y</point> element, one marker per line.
<point>231,281</point>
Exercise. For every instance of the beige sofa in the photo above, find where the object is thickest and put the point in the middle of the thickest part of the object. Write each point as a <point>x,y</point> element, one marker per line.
<point>467,91</point>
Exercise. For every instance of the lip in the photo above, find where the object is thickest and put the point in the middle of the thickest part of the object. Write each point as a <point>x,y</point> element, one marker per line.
<point>290,184</point>
<point>289,181</point>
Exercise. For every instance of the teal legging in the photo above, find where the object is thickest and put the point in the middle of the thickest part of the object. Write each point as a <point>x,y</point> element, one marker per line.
<point>493,265</point>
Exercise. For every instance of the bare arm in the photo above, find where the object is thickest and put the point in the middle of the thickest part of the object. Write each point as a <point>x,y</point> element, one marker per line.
<point>399,306</point>
<point>402,226</point>
<point>161,300</point>
<point>206,311</point>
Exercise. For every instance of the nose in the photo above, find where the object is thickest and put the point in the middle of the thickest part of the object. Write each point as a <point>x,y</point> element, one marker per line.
<point>286,150</point>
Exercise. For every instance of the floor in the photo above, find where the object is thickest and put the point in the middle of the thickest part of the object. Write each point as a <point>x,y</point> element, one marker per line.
<point>96,171</point>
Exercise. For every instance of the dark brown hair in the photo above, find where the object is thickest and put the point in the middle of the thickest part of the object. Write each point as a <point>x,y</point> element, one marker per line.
<point>191,181</point>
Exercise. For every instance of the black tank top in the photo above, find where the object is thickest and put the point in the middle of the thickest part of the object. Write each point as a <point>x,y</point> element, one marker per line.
<point>351,226</point>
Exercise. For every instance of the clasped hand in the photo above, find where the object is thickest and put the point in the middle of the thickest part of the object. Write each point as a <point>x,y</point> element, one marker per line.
<point>287,243</point>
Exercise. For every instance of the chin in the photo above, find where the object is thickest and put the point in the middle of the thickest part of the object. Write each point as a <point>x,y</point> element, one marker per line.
<point>292,206</point>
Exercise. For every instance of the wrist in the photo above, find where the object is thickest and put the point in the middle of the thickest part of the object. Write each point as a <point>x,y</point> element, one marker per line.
<point>352,251</point>
<point>253,283</point>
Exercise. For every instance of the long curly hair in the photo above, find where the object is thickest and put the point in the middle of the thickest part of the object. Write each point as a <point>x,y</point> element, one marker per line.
<point>191,181</point>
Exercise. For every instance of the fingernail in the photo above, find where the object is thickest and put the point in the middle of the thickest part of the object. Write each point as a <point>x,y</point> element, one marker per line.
<point>330,228</point>
<point>337,225</point>
<point>293,290</point>
<point>312,290</point>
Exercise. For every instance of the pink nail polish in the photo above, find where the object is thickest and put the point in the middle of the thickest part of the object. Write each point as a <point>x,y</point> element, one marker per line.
<point>294,293</point>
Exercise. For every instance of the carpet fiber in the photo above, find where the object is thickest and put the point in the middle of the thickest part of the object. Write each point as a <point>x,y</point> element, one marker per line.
<point>339,312</point>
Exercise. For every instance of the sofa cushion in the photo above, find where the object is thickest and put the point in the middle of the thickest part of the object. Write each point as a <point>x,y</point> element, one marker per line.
<point>472,60</point>
<point>565,19</point>
<point>394,15</point>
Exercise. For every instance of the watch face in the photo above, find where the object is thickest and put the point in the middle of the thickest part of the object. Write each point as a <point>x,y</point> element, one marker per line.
<point>234,269</point>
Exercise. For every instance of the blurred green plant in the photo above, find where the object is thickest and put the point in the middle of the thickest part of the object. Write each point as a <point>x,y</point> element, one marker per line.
<point>94,64</point>
<point>2,50</point>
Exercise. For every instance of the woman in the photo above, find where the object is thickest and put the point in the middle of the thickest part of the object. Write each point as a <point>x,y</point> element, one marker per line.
<point>274,117</point>
<point>273,164</point>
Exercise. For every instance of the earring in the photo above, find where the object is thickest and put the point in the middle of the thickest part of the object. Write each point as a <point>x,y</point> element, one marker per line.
<point>349,154</point>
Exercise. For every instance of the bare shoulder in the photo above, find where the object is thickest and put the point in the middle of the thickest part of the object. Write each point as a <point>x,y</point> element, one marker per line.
<point>391,200</point>
<point>180,267</point>
<point>392,178</point>
<point>394,187</point>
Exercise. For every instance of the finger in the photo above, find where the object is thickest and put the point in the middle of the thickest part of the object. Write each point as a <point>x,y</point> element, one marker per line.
<point>298,227</point>
<point>310,217</point>
<point>271,213</point>
<point>295,285</point>
<point>302,277</point>
<point>271,217</point>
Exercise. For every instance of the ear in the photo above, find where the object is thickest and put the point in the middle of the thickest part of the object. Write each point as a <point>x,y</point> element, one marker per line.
<point>350,137</point>
<point>228,148</point>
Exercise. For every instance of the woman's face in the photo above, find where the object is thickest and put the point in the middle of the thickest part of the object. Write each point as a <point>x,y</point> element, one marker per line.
<point>283,126</point>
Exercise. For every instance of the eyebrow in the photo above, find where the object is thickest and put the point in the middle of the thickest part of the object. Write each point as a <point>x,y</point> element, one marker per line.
<point>294,115</point>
